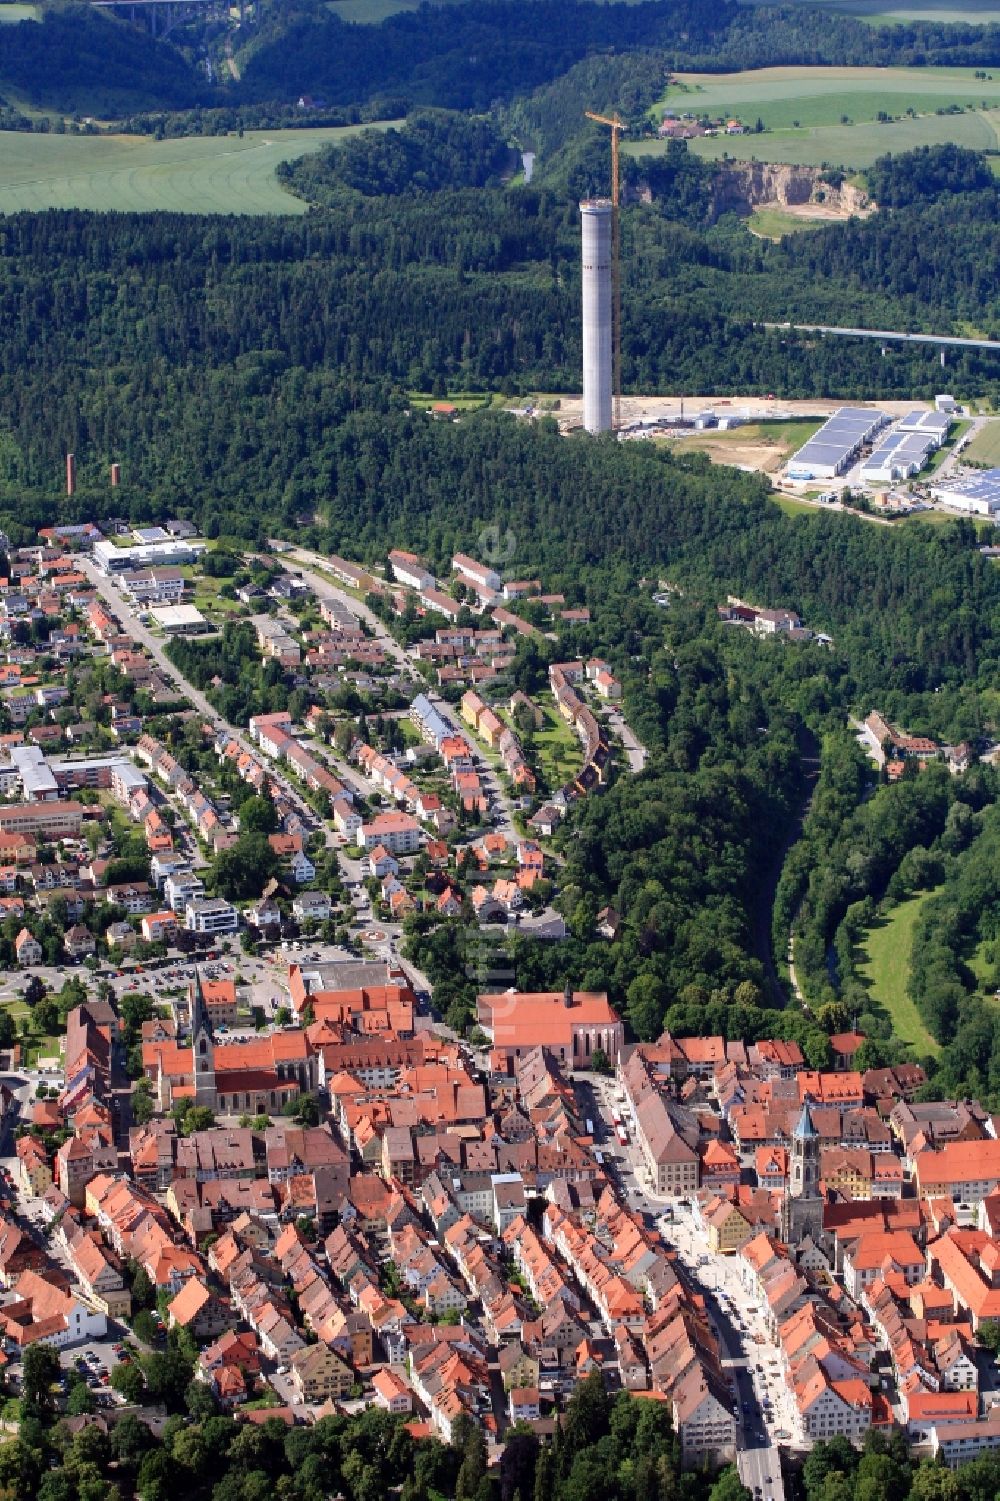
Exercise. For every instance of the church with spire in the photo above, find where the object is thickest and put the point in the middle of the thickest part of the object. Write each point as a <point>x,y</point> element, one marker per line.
<point>259,1075</point>
<point>802,1208</point>
<point>203,1047</point>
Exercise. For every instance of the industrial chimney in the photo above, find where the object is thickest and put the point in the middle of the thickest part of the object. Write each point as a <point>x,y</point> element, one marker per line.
<point>70,474</point>
<point>595,215</point>
<point>116,476</point>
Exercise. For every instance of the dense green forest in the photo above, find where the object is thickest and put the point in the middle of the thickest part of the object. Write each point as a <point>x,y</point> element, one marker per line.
<point>954,968</point>
<point>135,337</point>
<point>82,61</point>
<point>867,847</point>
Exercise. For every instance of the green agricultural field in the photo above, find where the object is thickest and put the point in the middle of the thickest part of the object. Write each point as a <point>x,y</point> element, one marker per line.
<point>12,13</point>
<point>803,110</point>
<point>886,972</point>
<point>820,96</point>
<point>136,174</point>
<point>985,446</point>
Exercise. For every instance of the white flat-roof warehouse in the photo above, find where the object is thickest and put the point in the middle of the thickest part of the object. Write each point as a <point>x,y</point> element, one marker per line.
<point>173,552</point>
<point>837,443</point>
<point>978,494</point>
<point>180,620</point>
<point>904,452</point>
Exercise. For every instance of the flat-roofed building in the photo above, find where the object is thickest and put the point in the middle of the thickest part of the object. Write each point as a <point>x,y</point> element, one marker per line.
<point>53,820</point>
<point>179,620</point>
<point>837,444</point>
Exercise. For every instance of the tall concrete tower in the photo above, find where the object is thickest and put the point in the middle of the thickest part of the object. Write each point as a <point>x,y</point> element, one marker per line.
<point>595,215</point>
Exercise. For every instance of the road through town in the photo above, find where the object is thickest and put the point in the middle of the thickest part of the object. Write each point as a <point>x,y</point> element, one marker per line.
<point>113,596</point>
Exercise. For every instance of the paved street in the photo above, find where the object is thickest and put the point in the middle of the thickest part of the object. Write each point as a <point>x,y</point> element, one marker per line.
<point>762,1398</point>
<point>636,753</point>
<point>324,589</point>
<point>501,807</point>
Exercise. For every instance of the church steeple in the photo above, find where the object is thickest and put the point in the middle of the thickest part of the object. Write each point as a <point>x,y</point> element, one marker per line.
<point>805,1158</point>
<point>202,1046</point>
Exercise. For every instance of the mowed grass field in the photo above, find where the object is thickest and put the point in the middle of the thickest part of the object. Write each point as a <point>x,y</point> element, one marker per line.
<point>803,110</point>
<point>136,174</point>
<point>772,223</point>
<point>885,968</point>
<point>985,446</point>
<point>9,14</point>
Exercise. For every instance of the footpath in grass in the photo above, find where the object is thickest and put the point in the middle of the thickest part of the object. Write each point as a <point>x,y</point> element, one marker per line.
<point>885,969</point>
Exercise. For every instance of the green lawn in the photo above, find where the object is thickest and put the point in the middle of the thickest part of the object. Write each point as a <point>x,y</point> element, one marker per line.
<point>557,751</point>
<point>985,446</point>
<point>926,518</point>
<point>34,1045</point>
<point>886,970</point>
<point>463,401</point>
<point>209,601</point>
<point>793,507</point>
<point>131,174</point>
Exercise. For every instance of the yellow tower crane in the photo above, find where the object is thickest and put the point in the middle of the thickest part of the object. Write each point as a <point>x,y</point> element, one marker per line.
<point>616,127</point>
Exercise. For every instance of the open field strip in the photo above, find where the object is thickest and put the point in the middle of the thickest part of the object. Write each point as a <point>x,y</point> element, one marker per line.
<point>753,445</point>
<point>886,971</point>
<point>850,146</point>
<point>772,223</point>
<point>985,446</point>
<point>136,174</point>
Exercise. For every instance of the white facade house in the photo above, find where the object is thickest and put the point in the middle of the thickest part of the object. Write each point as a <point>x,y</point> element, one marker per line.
<point>182,887</point>
<point>215,916</point>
